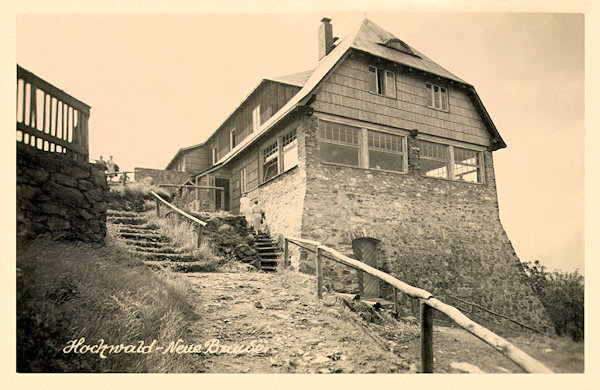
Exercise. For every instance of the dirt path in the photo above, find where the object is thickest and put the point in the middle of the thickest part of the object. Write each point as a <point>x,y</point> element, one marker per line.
<point>293,332</point>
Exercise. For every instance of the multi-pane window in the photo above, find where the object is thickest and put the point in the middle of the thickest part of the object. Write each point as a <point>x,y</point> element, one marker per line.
<point>450,162</point>
<point>339,143</point>
<point>280,155</point>
<point>382,82</point>
<point>386,151</point>
<point>270,159</point>
<point>437,97</point>
<point>289,145</point>
<point>358,147</point>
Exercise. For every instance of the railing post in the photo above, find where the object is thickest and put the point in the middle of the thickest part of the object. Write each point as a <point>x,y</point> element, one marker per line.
<point>319,269</point>
<point>286,253</point>
<point>426,338</point>
<point>157,208</point>
<point>396,310</point>
<point>199,241</point>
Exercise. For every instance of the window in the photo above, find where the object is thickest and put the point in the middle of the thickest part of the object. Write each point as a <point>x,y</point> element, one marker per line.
<point>256,118</point>
<point>354,146</point>
<point>339,143</point>
<point>243,181</point>
<point>385,151</point>
<point>232,139</point>
<point>215,155</point>
<point>270,159</point>
<point>382,82</point>
<point>450,162</point>
<point>280,156</point>
<point>289,145</point>
<point>437,97</point>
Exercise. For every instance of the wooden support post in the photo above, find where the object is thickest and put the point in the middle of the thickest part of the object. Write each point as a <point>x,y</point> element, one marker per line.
<point>361,284</point>
<point>199,241</point>
<point>319,269</point>
<point>286,253</point>
<point>426,338</point>
<point>157,208</point>
<point>396,310</point>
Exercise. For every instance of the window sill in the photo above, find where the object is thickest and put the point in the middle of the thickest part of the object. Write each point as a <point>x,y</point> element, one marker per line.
<point>278,175</point>
<point>382,95</point>
<point>453,181</point>
<point>361,168</point>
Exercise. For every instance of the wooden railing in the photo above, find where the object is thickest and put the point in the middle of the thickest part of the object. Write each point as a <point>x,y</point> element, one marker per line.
<point>427,303</point>
<point>49,119</point>
<point>199,224</point>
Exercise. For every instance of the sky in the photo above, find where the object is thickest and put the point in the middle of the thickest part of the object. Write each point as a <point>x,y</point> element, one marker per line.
<point>160,82</point>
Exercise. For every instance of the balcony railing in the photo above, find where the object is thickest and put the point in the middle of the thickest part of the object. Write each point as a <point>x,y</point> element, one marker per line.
<point>49,119</point>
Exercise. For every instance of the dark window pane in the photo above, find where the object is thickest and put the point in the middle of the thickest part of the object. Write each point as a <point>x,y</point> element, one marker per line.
<point>387,161</point>
<point>270,170</point>
<point>433,168</point>
<point>340,154</point>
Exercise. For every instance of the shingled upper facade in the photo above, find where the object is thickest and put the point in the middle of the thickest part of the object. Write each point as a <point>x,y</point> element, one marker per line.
<point>378,142</point>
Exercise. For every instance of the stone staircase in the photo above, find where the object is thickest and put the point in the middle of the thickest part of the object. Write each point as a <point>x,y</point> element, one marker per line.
<point>146,242</point>
<point>268,251</point>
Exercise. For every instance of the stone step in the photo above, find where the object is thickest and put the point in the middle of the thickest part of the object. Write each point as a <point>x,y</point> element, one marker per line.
<point>151,237</point>
<point>163,256</point>
<point>127,220</point>
<point>146,244</point>
<point>178,266</point>
<point>119,213</point>
<point>140,229</point>
<point>158,249</point>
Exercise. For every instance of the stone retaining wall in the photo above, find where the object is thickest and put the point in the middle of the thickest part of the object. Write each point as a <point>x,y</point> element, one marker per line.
<point>59,196</point>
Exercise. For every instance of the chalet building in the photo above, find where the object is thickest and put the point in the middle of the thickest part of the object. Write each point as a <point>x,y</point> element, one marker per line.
<point>378,149</point>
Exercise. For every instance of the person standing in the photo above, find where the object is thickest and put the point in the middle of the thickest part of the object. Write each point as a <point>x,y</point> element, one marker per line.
<point>245,208</point>
<point>110,168</point>
<point>257,216</point>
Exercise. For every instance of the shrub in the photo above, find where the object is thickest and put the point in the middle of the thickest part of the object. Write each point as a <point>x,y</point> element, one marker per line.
<point>134,196</point>
<point>562,295</point>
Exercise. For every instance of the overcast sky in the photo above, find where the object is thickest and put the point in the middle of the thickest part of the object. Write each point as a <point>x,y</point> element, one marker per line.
<point>157,83</point>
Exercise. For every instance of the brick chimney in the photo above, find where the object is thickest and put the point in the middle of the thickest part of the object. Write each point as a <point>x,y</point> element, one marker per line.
<point>325,37</point>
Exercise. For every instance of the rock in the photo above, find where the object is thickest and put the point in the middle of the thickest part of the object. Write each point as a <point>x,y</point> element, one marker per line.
<point>258,305</point>
<point>343,367</point>
<point>85,185</point>
<point>547,350</point>
<point>320,359</point>
<point>56,223</point>
<point>65,180</point>
<point>324,371</point>
<point>224,228</point>
<point>466,367</point>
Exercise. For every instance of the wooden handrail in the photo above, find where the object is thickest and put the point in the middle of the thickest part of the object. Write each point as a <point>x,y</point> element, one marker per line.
<point>181,212</point>
<point>524,361</point>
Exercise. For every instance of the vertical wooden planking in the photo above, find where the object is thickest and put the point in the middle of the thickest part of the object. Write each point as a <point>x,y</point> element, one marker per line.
<point>319,270</point>
<point>426,338</point>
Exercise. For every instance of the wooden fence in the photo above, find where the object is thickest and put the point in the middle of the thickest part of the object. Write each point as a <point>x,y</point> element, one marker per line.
<point>50,119</point>
<point>199,224</point>
<point>427,304</point>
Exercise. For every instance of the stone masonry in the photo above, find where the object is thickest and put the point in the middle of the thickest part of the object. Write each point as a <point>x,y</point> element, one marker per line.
<point>59,196</point>
<point>440,235</point>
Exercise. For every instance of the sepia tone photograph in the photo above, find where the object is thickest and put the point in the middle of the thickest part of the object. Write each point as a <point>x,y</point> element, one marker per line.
<point>300,193</point>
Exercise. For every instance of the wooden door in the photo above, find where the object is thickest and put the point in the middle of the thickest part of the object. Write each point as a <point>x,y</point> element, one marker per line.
<point>365,250</point>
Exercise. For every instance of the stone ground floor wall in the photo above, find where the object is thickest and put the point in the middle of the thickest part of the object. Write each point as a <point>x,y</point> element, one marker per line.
<point>282,200</point>
<point>59,196</point>
<point>439,235</point>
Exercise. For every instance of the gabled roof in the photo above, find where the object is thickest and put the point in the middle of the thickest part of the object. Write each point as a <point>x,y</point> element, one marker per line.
<point>369,38</point>
<point>182,151</point>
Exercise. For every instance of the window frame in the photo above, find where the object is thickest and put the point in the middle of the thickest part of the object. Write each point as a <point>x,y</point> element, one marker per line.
<point>243,181</point>
<point>279,154</point>
<point>363,144</point>
<point>450,145</point>
<point>232,143</point>
<point>256,118</point>
<point>215,155</point>
<point>378,88</point>
<point>443,94</point>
